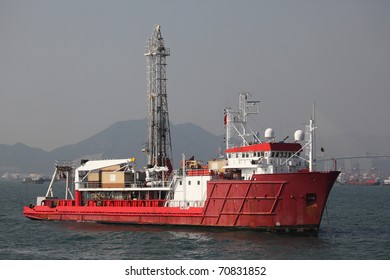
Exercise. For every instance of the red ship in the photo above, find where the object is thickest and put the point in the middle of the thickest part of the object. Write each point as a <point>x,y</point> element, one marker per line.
<point>259,184</point>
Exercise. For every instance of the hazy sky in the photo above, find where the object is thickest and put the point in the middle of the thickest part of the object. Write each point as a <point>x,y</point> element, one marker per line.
<point>69,69</point>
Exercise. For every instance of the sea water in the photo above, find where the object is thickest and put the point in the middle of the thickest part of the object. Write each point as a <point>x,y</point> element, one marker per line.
<point>355,226</point>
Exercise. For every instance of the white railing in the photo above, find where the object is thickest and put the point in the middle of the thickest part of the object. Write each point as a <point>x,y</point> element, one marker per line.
<point>184,204</point>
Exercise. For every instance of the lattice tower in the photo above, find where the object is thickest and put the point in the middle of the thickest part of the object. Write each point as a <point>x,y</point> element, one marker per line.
<point>159,147</point>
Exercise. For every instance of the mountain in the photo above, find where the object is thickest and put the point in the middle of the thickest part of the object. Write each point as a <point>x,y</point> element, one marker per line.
<point>21,158</point>
<point>193,140</point>
<point>123,139</point>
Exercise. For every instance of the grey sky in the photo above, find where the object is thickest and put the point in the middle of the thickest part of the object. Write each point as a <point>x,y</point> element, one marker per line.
<point>69,69</point>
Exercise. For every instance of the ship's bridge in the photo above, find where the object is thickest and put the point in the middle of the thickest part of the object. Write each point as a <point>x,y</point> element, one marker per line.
<point>265,158</point>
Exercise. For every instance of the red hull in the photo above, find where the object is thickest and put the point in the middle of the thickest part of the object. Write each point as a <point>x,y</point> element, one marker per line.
<point>275,202</point>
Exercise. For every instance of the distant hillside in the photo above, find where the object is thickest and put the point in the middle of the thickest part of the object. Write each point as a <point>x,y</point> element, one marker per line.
<point>22,158</point>
<point>121,140</point>
<point>125,139</point>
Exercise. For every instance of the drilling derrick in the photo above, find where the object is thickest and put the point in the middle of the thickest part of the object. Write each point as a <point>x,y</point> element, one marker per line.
<point>159,148</point>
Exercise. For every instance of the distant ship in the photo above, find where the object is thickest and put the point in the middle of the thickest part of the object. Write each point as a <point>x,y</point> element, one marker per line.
<point>357,177</point>
<point>36,180</point>
<point>259,184</point>
<point>363,182</point>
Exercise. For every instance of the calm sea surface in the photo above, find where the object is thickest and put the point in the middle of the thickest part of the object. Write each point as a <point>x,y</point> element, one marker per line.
<point>357,226</point>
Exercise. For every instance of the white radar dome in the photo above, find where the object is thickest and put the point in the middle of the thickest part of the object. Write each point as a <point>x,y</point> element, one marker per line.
<point>299,135</point>
<point>269,134</point>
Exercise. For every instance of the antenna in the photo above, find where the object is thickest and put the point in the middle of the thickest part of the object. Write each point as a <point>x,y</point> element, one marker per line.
<point>311,140</point>
<point>237,120</point>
